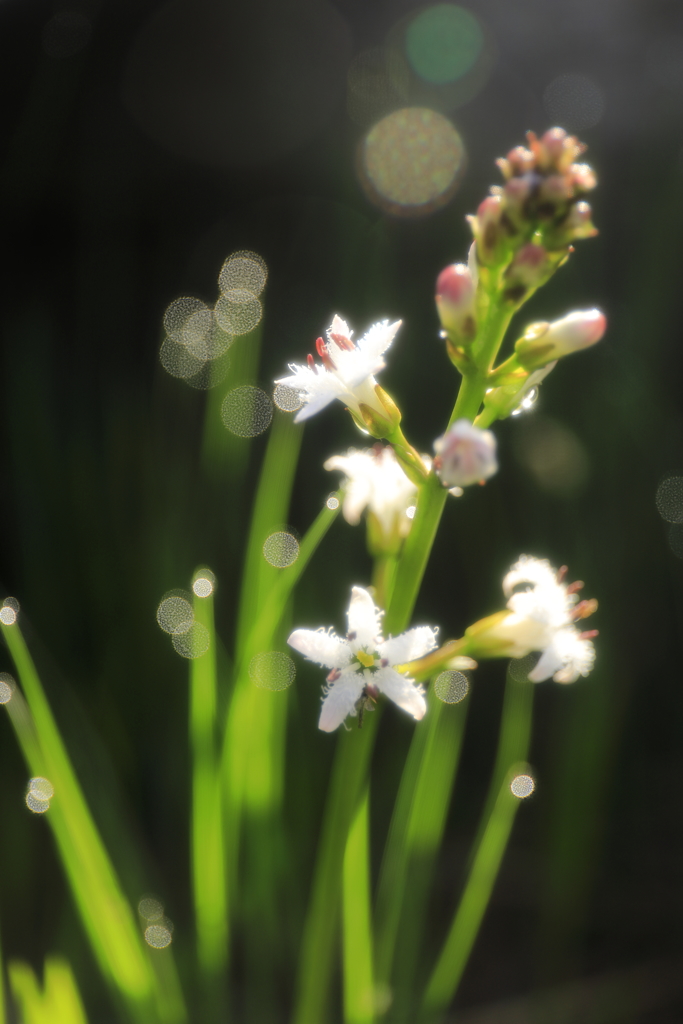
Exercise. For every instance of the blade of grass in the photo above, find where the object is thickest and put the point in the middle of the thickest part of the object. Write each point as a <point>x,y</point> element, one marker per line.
<point>105,913</point>
<point>359,996</point>
<point>499,815</point>
<point>208,860</point>
<point>414,838</point>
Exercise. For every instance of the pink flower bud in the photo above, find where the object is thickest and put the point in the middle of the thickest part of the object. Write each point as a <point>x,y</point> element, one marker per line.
<point>578,223</point>
<point>529,268</point>
<point>521,160</point>
<point>543,343</point>
<point>486,227</point>
<point>465,455</point>
<point>576,331</point>
<point>455,302</point>
<point>556,189</point>
<point>582,177</point>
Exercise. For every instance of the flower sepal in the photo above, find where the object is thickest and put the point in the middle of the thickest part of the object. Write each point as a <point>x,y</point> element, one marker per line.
<point>382,418</point>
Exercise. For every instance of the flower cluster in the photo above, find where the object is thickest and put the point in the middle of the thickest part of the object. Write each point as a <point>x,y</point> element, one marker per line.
<point>363,664</point>
<point>541,616</point>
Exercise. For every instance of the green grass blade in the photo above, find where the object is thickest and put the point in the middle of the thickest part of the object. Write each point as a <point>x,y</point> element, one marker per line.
<point>56,1002</point>
<point>208,858</point>
<point>349,772</point>
<point>359,995</point>
<point>105,913</point>
<point>414,838</point>
<point>498,818</point>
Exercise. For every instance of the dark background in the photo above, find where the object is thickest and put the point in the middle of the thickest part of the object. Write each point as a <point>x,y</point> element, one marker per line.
<point>142,143</point>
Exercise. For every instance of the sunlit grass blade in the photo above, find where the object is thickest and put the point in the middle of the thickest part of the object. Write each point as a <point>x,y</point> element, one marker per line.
<point>57,1001</point>
<point>208,860</point>
<point>3,999</point>
<point>318,945</point>
<point>414,838</point>
<point>499,814</point>
<point>105,913</point>
<point>359,995</point>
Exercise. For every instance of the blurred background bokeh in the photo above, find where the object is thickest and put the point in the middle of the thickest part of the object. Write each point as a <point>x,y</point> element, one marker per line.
<point>344,142</point>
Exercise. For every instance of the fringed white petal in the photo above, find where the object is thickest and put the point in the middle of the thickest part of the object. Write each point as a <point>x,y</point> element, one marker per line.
<point>565,659</point>
<point>324,649</point>
<point>340,700</point>
<point>535,571</point>
<point>410,645</point>
<point>403,691</point>
<point>378,339</point>
<point>364,620</point>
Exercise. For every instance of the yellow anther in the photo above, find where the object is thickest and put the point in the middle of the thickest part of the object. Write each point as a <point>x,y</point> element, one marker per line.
<point>367,660</point>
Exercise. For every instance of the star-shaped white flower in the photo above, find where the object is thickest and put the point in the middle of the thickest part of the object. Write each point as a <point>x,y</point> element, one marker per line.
<point>363,663</point>
<point>346,372</point>
<point>542,619</point>
<point>375,480</point>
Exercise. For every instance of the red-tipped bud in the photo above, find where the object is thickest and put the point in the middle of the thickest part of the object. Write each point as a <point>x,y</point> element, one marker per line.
<point>579,223</point>
<point>455,302</point>
<point>555,190</point>
<point>486,228</point>
<point>582,177</point>
<point>542,343</point>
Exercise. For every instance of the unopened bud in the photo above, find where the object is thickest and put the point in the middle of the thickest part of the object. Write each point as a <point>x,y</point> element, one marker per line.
<point>486,227</point>
<point>465,455</point>
<point>455,302</point>
<point>582,177</point>
<point>555,150</point>
<point>542,343</point>
<point>529,268</point>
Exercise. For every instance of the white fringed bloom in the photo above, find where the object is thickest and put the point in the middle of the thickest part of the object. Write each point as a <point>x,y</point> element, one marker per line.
<point>346,372</point>
<point>375,480</point>
<point>364,661</point>
<point>542,619</point>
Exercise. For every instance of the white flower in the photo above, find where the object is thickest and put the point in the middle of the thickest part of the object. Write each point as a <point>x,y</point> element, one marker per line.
<point>346,372</point>
<point>465,455</point>
<point>542,619</point>
<point>364,663</point>
<point>375,480</point>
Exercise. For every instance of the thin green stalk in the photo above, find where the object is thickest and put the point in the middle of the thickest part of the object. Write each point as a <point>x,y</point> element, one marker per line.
<point>498,819</point>
<point>349,772</point>
<point>208,859</point>
<point>414,838</point>
<point>383,579</point>
<point>359,993</point>
<point>105,913</point>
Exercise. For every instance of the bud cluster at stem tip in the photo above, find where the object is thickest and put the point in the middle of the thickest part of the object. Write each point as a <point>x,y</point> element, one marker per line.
<point>528,224</point>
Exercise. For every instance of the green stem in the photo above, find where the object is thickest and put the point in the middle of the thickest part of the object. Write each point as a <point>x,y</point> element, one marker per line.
<point>208,859</point>
<point>498,818</point>
<point>320,928</point>
<point>359,995</point>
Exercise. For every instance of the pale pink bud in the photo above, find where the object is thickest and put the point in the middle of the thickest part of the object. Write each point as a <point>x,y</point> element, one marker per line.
<point>542,343</point>
<point>521,160</point>
<point>582,177</point>
<point>578,330</point>
<point>486,227</point>
<point>555,189</point>
<point>465,455</point>
<point>579,222</point>
<point>517,191</point>
<point>529,268</point>
<point>455,300</point>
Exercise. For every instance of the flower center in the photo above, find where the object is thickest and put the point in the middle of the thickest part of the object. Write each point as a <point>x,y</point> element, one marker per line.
<point>366,660</point>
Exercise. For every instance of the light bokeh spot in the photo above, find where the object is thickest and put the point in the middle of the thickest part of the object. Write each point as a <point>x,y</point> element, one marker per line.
<point>522,786</point>
<point>159,935</point>
<point>574,102</point>
<point>245,270</point>
<point>238,311</point>
<point>36,804</point>
<point>272,670</point>
<point>669,499</point>
<point>41,788</point>
<point>443,43</point>
<point>204,583</point>
<point>246,411</point>
<point>410,161</point>
<point>150,908</point>
<point>332,502</point>
<point>410,511</point>
<point>193,642</point>
<point>288,399</point>
<point>175,614</point>
<point>281,549</point>
<point>8,615</point>
<point>451,687</point>
<point>519,668</point>
<point>528,401</point>
<point>7,687</point>
<point>553,455</point>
